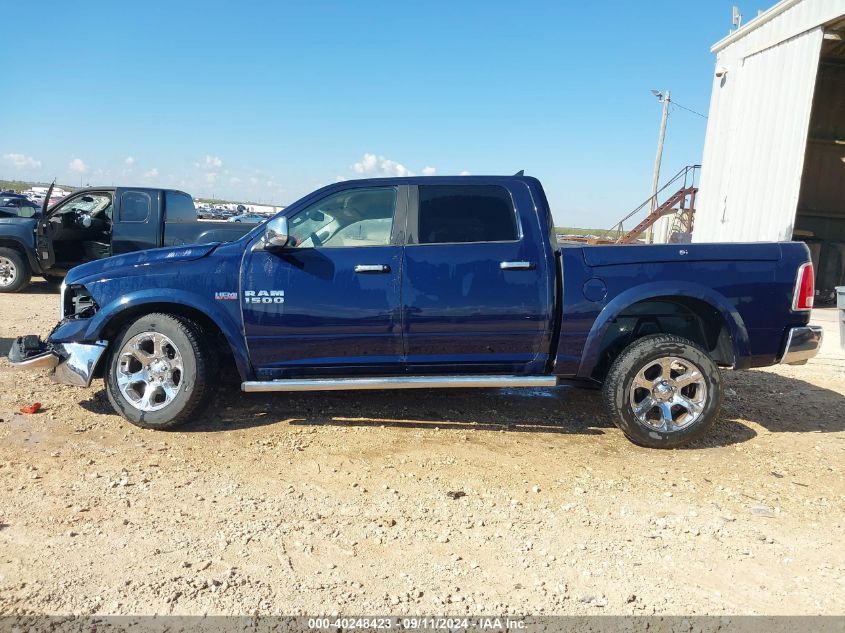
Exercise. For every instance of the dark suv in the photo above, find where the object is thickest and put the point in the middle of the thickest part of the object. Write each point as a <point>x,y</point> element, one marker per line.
<point>16,205</point>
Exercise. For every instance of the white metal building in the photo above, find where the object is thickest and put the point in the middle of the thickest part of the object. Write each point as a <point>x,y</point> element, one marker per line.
<point>774,154</point>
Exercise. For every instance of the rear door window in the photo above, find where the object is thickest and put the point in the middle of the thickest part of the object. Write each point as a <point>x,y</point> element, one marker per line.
<point>451,214</point>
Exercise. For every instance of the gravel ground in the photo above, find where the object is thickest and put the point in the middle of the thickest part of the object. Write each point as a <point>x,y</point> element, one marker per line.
<point>419,502</point>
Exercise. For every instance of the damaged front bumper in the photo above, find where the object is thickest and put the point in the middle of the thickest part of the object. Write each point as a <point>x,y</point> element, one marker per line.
<point>72,363</point>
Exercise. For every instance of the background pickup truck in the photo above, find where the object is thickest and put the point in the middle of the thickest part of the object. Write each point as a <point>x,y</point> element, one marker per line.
<point>432,282</point>
<point>95,223</point>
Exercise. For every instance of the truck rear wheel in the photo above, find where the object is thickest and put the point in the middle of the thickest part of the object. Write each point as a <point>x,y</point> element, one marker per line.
<point>14,270</point>
<point>161,371</point>
<point>663,391</point>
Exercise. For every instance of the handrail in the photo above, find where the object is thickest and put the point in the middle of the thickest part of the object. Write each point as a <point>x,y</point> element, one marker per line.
<point>689,175</point>
<point>666,208</point>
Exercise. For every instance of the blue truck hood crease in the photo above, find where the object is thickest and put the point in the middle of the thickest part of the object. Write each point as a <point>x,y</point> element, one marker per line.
<point>141,258</point>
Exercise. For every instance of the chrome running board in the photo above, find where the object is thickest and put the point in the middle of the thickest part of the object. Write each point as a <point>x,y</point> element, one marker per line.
<point>399,382</point>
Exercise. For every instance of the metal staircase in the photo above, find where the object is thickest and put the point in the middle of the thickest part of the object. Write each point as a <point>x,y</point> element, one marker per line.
<point>681,203</point>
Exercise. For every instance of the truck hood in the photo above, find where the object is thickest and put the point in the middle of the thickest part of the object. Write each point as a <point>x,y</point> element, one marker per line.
<point>140,260</point>
<point>17,220</point>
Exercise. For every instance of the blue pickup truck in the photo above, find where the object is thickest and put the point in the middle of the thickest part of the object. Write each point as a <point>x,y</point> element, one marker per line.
<point>431,283</point>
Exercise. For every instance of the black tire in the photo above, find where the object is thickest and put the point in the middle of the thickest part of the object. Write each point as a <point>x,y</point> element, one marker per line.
<point>199,362</point>
<point>53,280</point>
<point>15,268</point>
<point>643,355</point>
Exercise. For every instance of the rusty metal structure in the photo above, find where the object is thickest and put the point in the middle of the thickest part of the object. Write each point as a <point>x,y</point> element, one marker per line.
<point>680,203</point>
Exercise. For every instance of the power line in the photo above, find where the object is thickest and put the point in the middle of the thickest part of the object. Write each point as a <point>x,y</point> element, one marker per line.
<point>678,105</point>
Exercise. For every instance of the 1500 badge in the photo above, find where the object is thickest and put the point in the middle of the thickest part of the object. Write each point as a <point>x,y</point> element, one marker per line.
<point>264,296</point>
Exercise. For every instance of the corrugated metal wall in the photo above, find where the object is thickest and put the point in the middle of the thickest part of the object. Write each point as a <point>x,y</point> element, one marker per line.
<point>757,126</point>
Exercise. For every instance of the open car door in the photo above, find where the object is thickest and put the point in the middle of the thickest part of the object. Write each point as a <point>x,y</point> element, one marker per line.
<point>43,241</point>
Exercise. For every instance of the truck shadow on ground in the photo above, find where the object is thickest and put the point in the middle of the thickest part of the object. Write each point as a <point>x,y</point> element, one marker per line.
<point>510,410</point>
<point>776,403</point>
<point>39,286</point>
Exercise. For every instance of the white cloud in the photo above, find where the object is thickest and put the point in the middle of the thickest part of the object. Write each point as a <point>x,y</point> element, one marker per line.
<point>392,168</point>
<point>130,160</point>
<point>78,166</point>
<point>20,160</point>
<point>253,180</point>
<point>464,173</point>
<point>372,165</point>
<point>211,177</point>
<point>429,171</point>
<point>235,180</point>
<point>213,161</point>
<point>152,173</point>
<point>367,165</point>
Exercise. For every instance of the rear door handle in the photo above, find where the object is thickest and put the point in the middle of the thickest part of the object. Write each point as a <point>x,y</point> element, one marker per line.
<point>372,268</point>
<point>517,265</point>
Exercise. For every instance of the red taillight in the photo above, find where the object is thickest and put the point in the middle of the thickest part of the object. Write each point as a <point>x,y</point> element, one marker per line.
<point>804,288</point>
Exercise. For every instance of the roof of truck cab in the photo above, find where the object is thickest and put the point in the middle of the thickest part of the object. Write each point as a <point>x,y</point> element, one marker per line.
<point>116,187</point>
<point>336,187</point>
<point>436,180</point>
<point>112,189</point>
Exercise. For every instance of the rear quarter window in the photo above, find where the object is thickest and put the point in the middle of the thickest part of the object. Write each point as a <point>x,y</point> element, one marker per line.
<point>179,207</point>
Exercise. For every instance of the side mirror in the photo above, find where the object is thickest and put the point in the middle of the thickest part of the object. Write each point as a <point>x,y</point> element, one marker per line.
<point>276,234</point>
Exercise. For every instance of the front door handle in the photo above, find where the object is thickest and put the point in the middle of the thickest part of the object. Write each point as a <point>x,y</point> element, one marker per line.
<point>372,268</point>
<point>517,265</point>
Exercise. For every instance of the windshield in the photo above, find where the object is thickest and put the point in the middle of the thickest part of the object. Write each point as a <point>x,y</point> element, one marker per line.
<point>308,222</point>
<point>92,204</point>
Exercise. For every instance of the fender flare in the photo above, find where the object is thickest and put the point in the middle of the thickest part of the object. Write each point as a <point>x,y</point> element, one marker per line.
<point>661,290</point>
<point>13,241</point>
<point>179,298</point>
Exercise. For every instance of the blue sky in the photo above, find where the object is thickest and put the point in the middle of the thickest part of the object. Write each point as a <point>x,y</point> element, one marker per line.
<point>268,100</point>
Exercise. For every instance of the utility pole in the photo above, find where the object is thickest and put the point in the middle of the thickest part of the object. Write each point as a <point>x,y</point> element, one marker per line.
<point>664,97</point>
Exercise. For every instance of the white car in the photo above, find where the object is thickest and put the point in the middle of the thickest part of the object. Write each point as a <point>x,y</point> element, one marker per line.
<point>251,218</point>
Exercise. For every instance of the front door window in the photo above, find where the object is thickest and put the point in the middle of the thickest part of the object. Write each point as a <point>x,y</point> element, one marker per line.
<point>356,217</point>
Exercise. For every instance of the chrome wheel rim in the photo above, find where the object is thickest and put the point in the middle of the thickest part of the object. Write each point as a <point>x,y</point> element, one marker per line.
<point>149,371</point>
<point>668,394</point>
<point>8,272</point>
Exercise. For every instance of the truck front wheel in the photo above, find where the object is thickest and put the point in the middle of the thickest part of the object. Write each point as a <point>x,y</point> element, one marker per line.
<point>663,391</point>
<point>14,271</point>
<point>161,371</point>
